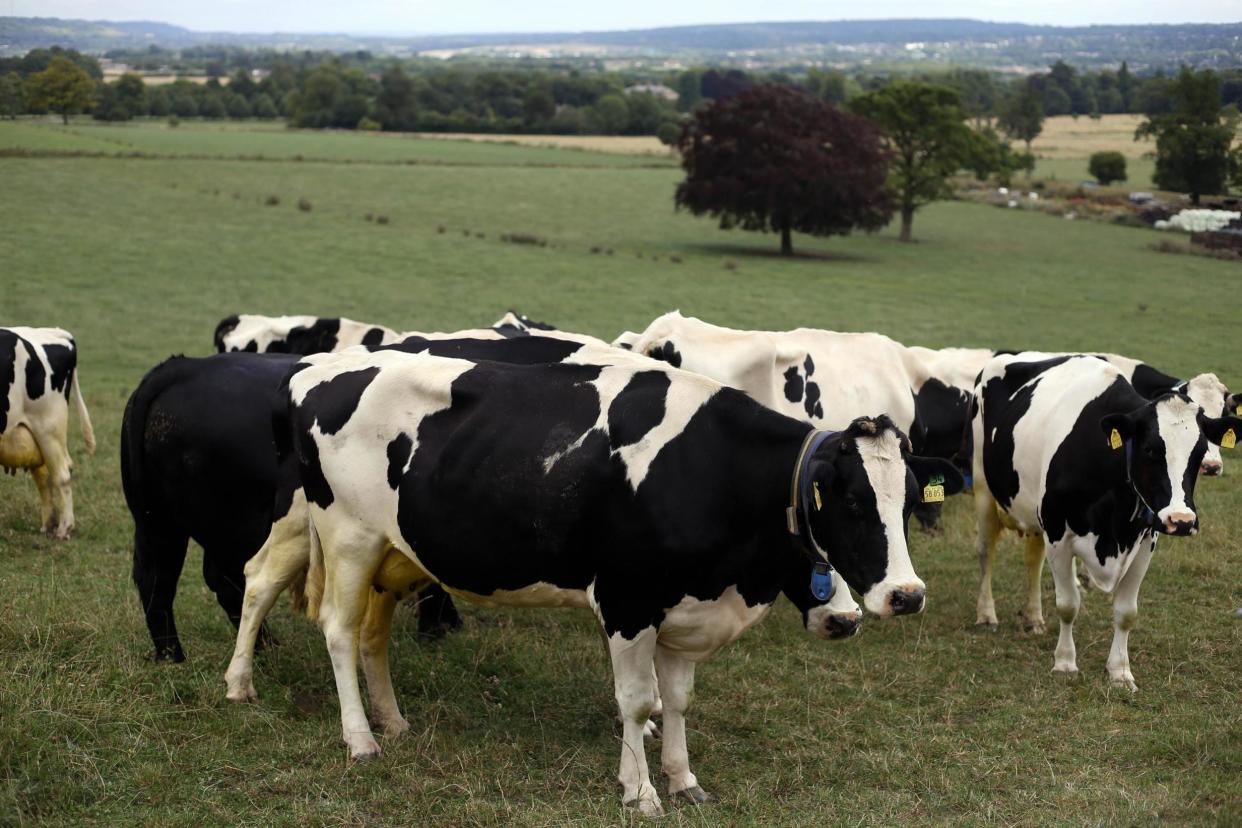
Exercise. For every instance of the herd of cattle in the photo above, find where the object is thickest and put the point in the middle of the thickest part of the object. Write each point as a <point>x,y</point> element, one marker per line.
<point>675,482</point>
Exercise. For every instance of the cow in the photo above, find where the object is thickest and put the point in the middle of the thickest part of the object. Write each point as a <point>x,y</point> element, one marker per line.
<point>296,334</point>
<point>673,508</point>
<point>38,372</point>
<point>824,378</point>
<point>198,461</point>
<point>1070,454</point>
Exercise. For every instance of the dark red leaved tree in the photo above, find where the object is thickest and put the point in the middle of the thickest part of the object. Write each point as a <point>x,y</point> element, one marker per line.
<point>774,158</point>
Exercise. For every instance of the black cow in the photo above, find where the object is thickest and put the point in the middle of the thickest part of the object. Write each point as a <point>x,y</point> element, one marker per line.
<point>660,500</point>
<point>198,461</point>
<point>1070,454</point>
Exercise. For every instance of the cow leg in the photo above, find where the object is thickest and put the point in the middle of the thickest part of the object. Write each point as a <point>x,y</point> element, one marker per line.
<point>1061,556</point>
<point>436,613</point>
<point>350,563</point>
<point>1125,614</point>
<point>158,558</point>
<point>59,475</point>
<point>373,647</point>
<point>989,527</point>
<point>283,557</point>
<point>676,676</point>
<point>634,684</point>
<point>227,580</point>
<point>1032,616</point>
<point>47,512</point>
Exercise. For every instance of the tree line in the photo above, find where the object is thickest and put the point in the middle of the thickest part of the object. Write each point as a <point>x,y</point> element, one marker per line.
<point>358,90</point>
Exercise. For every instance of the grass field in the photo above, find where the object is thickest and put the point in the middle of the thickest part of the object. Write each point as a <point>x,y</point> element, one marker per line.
<point>918,720</point>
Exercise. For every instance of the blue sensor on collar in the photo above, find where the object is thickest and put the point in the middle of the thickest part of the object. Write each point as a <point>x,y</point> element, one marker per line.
<point>821,581</point>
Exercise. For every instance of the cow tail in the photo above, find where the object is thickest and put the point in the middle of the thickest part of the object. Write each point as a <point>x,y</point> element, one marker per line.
<point>313,590</point>
<point>84,417</point>
<point>133,433</point>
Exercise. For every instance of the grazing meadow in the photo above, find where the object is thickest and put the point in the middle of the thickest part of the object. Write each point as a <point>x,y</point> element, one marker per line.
<point>922,720</point>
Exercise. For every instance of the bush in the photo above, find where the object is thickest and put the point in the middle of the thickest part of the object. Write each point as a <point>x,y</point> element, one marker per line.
<point>368,124</point>
<point>668,133</point>
<point>174,121</point>
<point>1107,167</point>
<point>304,204</point>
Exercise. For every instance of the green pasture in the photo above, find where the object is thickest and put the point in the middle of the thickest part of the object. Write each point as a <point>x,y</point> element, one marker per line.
<point>1138,172</point>
<point>922,720</point>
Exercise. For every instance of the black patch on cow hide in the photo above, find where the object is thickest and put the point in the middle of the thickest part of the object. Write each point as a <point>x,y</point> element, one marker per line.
<point>793,385</point>
<point>8,371</point>
<point>226,326</point>
<point>336,400</point>
<point>398,455</point>
<point>809,365</point>
<point>811,403</point>
<point>638,408</point>
<point>36,374</point>
<point>317,338</point>
<point>63,359</point>
<point>373,337</point>
<point>667,353</point>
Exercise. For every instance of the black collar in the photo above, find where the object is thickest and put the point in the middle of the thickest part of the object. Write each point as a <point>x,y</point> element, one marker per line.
<point>797,514</point>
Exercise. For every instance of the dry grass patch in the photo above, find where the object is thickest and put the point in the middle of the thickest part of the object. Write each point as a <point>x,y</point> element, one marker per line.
<point>615,144</point>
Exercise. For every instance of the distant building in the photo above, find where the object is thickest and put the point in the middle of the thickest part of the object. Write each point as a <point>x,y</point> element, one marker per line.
<point>657,89</point>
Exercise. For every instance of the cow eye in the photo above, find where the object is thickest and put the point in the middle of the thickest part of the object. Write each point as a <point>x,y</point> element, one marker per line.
<point>1150,452</point>
<point>851,502</point>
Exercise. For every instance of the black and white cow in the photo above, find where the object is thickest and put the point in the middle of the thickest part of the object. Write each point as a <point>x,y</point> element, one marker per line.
<point>38,372</point>
<point>655,498</point>
<point>297,334</point>
<point>1069,453</point>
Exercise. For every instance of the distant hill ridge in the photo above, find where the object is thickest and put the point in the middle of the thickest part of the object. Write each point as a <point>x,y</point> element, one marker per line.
<point>1219,41</point>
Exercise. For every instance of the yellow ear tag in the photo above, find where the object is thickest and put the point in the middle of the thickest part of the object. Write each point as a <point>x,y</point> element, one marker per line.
<point>933,492</point>
<point>1114,439</point>
<point>819,504</point>
<point>1229,440</point>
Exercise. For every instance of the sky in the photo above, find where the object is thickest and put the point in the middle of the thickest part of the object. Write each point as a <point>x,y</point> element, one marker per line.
<point>462,16</point>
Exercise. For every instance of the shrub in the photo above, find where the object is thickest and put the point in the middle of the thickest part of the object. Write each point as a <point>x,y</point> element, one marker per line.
<point>381,219</point>
<point>668,132</point>
<point>174,121</point>
<point>272,200</point>
<point>1107,167</point>
<point>304,205</point>
<point>368,124</point>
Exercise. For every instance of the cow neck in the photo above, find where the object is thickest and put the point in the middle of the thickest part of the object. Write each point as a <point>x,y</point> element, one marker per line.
<point>798,513</point>
<point>1148,516</point>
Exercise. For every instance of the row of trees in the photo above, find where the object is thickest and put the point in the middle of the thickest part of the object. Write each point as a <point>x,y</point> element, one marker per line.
<point>781,159</point>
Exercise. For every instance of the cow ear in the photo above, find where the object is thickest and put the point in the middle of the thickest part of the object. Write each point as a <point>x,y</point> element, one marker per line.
<point>926,469</point>
<point>1119,423</point>
<point>1223,431</point>
<point>1234,403</point>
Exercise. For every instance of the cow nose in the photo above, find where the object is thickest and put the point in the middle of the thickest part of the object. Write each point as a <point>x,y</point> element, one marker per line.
<point>1181,523</point>
<point>906,602</point>
<point>843,625</point>
<point>1211,469</point>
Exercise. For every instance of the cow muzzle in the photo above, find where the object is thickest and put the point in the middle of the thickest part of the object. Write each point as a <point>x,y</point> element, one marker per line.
<point>1181,523</point>
<point>907,601</point>
<point>842,625</point>
<point>1211,469</point>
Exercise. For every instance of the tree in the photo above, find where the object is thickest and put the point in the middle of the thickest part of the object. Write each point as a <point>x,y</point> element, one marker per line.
<point>610,114</point>
<point>1022,117</point>
<point>775,158</point>
<point>668,133</point>
<point>926,132</point>
<point>689,89</point>
<point>212,106</point>
<point>131,93</point>
<point>538,107</point>
<point>262,107</point>
<point>236,105</point>
<point>1125,87</point>
<point>1193,140</point>
<point>1107,167</point>
<point>395,104</point>
<point>108,105</point>
<point>62,87</point>
<point>10,95</point>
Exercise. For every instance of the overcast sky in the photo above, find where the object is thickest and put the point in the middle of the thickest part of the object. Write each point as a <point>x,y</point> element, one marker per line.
<point>417,16</point>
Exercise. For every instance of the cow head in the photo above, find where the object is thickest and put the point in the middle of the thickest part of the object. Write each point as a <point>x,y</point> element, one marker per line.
<point>868,483</point>
<point>836,618</point>
<point>1215,400</point>
<point>1165,442</point>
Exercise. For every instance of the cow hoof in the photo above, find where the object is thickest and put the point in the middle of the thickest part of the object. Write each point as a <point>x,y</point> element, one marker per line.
<point>1068,671</point>
<point>696,795</point>
<point>365,751</point>
<point>1033,627</point>
<point>242,695</point>
<point>651,730</point>
<point>1123,683</point>
<point>991,624</point>
<point>173,654</point>
<point>646,807</point>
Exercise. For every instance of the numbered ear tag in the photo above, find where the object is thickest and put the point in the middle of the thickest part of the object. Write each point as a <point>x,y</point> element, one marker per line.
<point>933,492</point>
<point>819,504</point>
<point>1114,440</point>
<point>1229,440</point>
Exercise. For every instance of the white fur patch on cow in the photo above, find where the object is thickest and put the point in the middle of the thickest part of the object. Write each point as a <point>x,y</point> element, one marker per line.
<point>1177,420</point>
<point>695,629</point>
<point>886,472</point>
